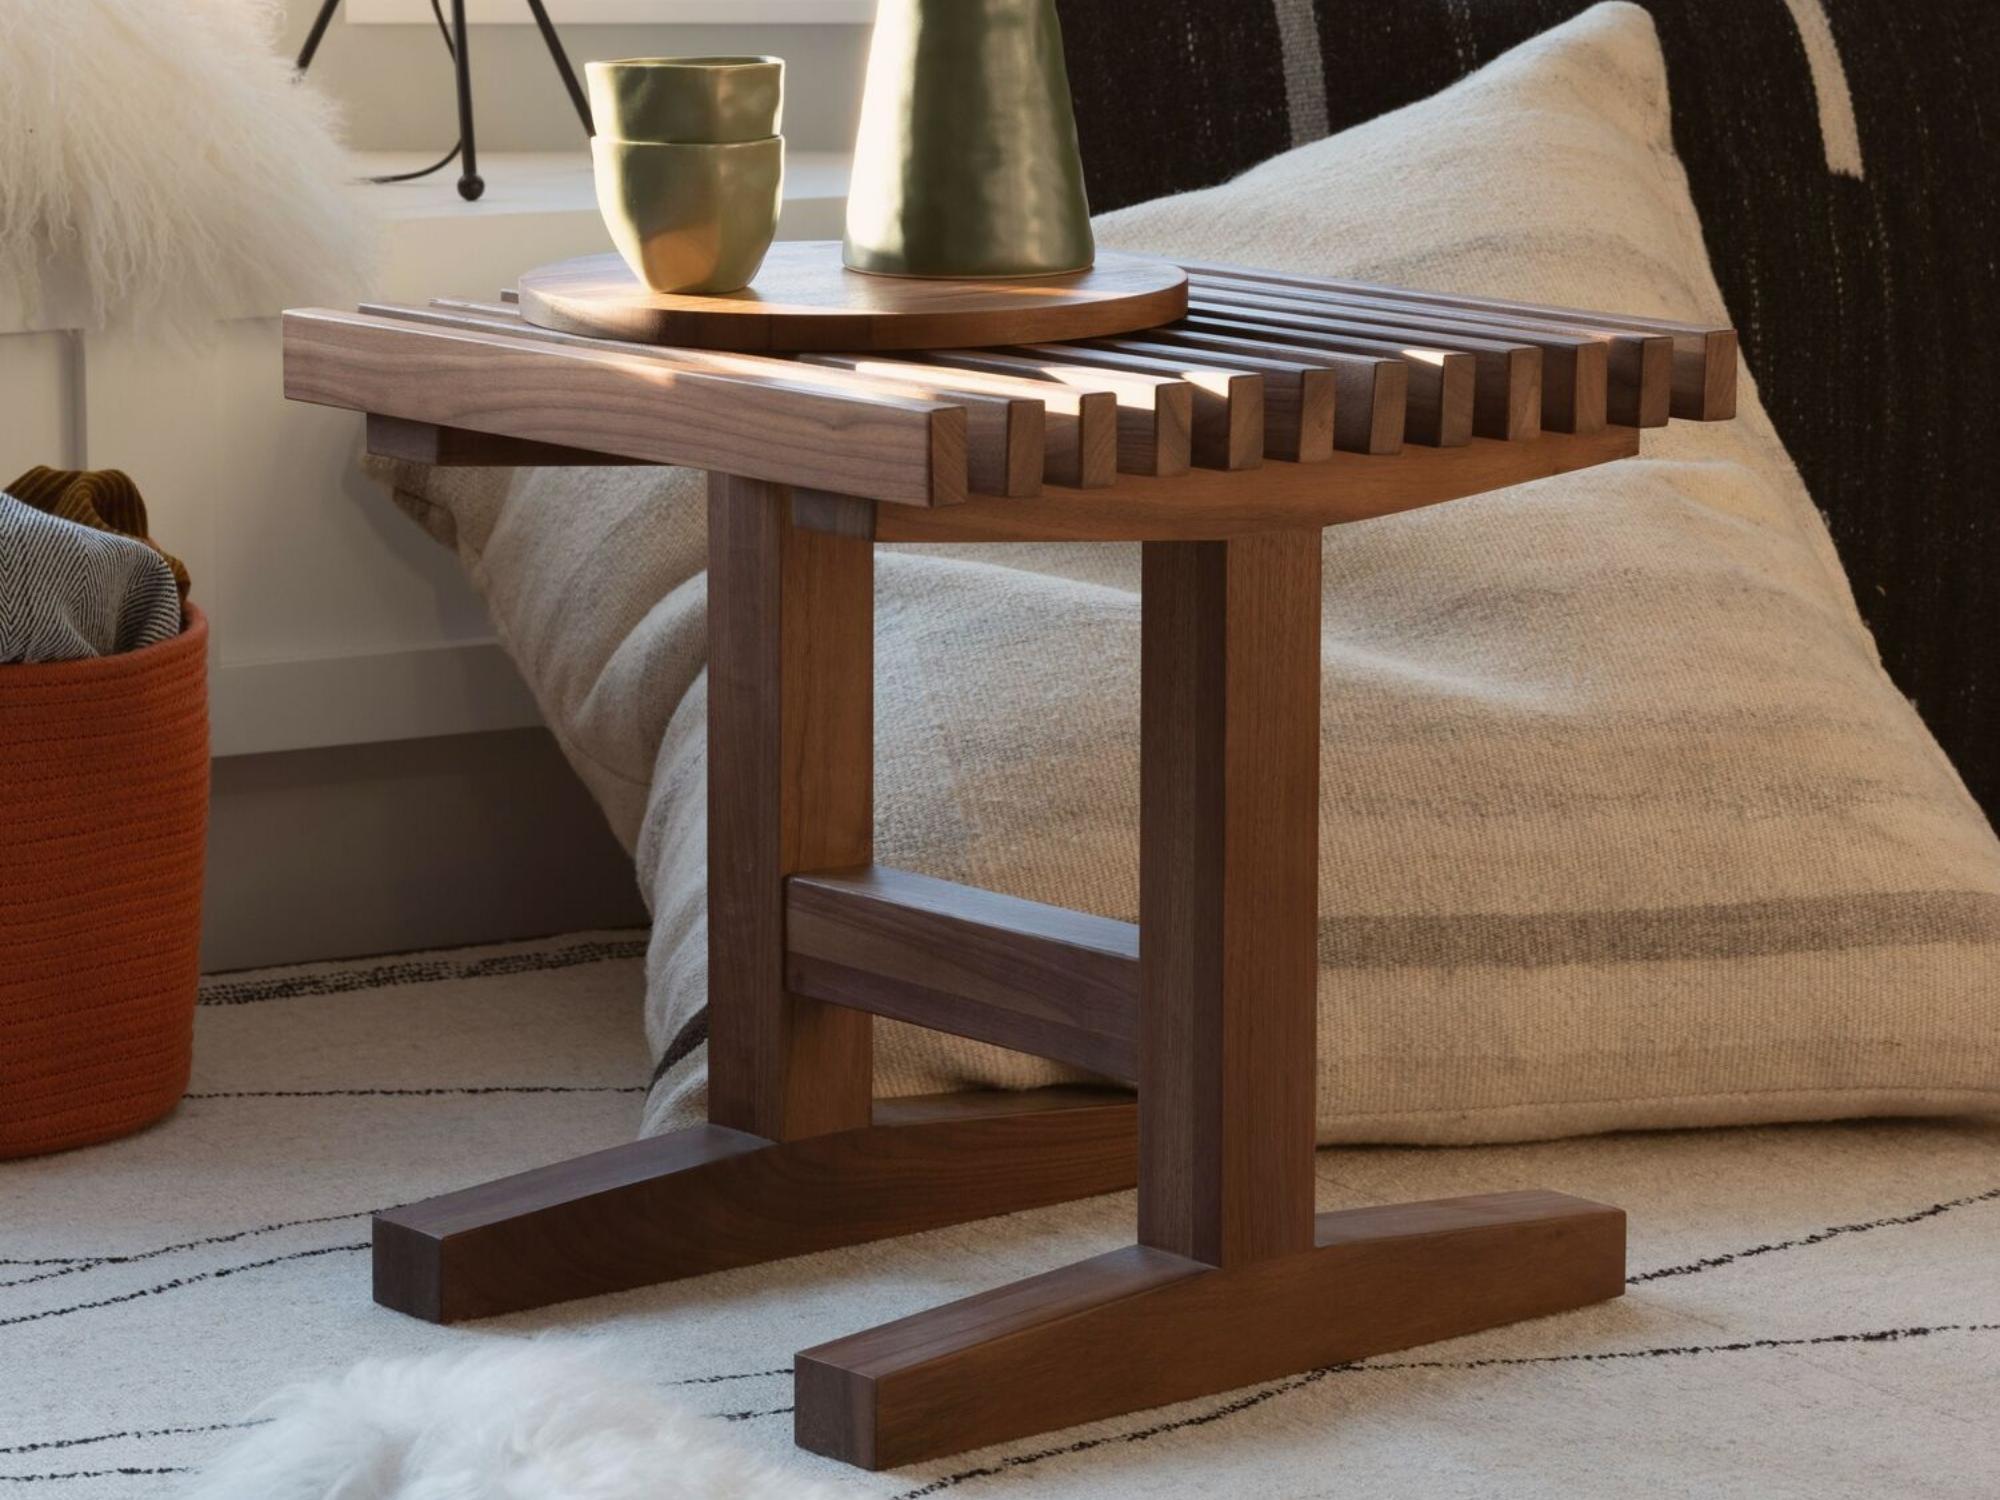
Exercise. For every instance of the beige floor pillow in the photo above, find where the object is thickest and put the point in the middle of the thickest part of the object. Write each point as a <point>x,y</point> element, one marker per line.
<point>1622,824</point>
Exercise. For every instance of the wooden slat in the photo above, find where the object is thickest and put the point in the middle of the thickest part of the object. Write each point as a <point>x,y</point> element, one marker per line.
<point>1639,367</point>
<point>1450,398</point>
<point>505,309</point>
<point>1228,404</point>
<point>1370,404</point>
<point>1432,416</point>
<point>1295,409</point>
<point>1575,370</point>
<point>1299,394</point>
<point>1704,354</point>
<point>1095,423</point>
<point>1209,503</point>
<point>1039,979</point>
<point>1077,437</point>
<point>905,451</point>
<point>1004,432</point>
<point>1080,427</point>
<point>1155,412</point>
<point>1438,389</point>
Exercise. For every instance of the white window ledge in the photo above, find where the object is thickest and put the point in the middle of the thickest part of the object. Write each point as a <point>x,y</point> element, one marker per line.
<point>623,12</point>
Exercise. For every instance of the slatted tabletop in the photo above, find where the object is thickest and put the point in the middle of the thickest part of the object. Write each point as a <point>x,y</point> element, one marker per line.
<point>1346,399</point>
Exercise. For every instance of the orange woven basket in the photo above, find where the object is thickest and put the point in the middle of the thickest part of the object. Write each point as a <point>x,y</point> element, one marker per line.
<point>103,820</point>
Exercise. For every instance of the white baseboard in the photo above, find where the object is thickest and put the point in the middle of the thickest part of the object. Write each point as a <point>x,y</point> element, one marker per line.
<point>430,843</point>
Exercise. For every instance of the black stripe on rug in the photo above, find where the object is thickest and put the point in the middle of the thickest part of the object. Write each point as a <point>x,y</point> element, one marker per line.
<point>1817,1237</point>
<point>1313,1377</point>
<point>1200,1419</point>
<point>178,1283</point>
<point>85,1474</point>
<point>71,1264</point>
<point>49,1445</point>
<point>785,1370</point>
<point>224,991</point>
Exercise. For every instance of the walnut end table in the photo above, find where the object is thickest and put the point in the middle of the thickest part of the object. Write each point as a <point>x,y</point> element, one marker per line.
<point>1224,440</point>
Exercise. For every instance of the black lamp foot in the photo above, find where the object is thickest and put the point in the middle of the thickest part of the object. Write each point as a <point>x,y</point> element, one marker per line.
<point>470,186</point>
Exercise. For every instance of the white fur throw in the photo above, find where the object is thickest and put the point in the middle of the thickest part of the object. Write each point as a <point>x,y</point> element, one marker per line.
<point>1621,823</point>
<point>517,1421</point>
<point>160,169</point>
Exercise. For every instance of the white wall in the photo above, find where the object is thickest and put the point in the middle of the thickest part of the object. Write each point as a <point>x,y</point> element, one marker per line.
<point>395,81</point>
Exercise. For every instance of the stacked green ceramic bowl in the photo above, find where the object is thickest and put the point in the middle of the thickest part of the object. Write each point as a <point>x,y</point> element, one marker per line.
<point>690,165</point>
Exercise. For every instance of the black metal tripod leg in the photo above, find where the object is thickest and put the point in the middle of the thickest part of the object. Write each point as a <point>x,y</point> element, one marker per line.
<point>576,95</point>
<point>470,185</point>
<point>315,36</point>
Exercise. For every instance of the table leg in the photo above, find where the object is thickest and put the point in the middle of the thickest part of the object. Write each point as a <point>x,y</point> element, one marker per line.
<point>470,183</point>
<point>1234,1278</point>
<point>1228,895</point>
<point>797,1156</point>
<point>791,663</point>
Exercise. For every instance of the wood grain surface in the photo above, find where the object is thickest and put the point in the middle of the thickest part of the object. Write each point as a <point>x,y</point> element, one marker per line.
<point>891,448</point>
<point>1253,375</point>
<point>1207,503</point>
<point>804,299</point>
<point>1228,894</point>
<point>1141,1327</point>
<point>1039,979</point>
<point>1638,365</point>
<point>1079,428</point>
<point>1004,430</point>
<point>1438,384</point>
<point>712,1198</point>
<point>790,715</point>
<point>1155,412</point>
<point>1228,402</point>
<point>1704,354</point>
<point>1575,368</point>
<point>1505,379</point>
<point>461,448</point>
<point>1298,392</point>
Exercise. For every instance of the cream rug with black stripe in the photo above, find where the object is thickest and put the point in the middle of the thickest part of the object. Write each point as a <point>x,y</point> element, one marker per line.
<point>1814,1310</point>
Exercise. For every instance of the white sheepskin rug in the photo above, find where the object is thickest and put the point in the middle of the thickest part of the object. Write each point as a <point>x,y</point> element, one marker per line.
<point>160,169</point>
<point>516,1421</point>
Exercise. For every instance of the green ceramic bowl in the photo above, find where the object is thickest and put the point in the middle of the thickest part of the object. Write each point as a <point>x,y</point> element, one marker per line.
<point>703,100</point>
<point>690,217</point>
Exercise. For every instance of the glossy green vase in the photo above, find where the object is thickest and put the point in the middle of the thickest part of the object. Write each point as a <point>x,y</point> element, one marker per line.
<point>966,162</point>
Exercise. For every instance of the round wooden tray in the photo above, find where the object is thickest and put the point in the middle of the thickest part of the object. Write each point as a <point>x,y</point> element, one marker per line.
<point>804,299</point>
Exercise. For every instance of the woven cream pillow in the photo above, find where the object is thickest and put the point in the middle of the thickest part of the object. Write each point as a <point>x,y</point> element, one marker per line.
<point>1622,825</point>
